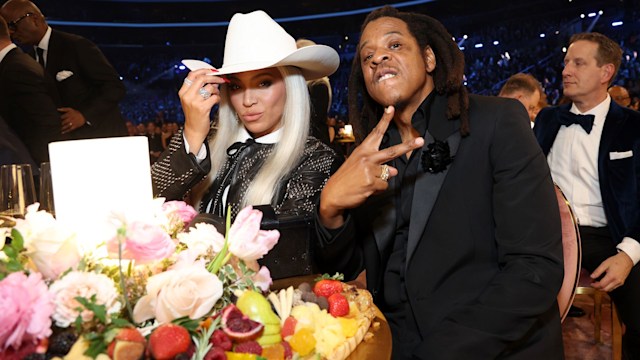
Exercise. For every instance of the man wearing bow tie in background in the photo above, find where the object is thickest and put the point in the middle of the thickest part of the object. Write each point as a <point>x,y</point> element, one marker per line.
<point>595,159</point>
<point>87,88</point>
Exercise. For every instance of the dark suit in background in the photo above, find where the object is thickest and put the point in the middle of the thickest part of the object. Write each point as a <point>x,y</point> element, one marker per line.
<point>26,105</point>
<point>94,89</point>
<point>619,181</point>
<point>12,150</point>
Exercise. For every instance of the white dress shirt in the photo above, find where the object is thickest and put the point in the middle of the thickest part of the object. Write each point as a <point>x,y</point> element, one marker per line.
<point>573,160</point>
<point>44,45</point>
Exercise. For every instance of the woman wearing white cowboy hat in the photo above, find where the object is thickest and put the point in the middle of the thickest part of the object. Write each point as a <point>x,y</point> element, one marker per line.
<point>261,153</point>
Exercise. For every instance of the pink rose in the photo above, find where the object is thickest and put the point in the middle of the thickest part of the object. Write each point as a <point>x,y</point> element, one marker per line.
<point>25,310</point>
<point>246,240</point>
<point>180,209</point>
<point>143,243</point>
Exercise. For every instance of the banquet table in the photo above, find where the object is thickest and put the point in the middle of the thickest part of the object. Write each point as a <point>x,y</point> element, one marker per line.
<point>378,347</point>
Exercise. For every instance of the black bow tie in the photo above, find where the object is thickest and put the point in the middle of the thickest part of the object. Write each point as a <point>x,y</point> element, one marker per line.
<point>568,118</point>
<point>237,147</point>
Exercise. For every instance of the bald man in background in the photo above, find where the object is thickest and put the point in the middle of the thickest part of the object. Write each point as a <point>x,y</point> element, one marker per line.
<point>620,95</point>
<point>87,89</point>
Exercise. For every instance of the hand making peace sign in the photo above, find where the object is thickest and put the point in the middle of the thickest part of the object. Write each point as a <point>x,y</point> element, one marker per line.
<point>363,174</point>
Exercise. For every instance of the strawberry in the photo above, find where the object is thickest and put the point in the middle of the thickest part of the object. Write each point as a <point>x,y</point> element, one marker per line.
<point>289,327</point>
<point>338,305</point>
<point>169,340</point>
<point>328,285</point>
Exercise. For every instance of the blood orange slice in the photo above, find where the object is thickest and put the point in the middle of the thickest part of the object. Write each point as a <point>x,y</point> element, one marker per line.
<point>239,327</point>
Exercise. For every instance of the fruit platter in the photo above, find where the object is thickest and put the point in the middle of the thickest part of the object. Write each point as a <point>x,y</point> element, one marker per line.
<point>167,289</point>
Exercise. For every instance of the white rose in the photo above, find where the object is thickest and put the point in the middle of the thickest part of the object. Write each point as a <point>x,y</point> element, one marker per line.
<point>84,284</point>
<point>202,237</point>
<point>52,248</point>
<point>190,291</point>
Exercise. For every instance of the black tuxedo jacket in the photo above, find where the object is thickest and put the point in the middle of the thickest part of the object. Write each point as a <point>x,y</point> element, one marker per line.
<point>484,252</point>
<point>94,89</point>
<point>12,149</point>
<point>26,105</point>
<point>618,165</point>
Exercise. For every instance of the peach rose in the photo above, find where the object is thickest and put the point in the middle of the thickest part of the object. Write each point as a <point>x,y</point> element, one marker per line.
<point>188,291</point>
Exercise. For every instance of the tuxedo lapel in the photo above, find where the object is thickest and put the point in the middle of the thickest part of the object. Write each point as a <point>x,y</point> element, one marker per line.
<point>52,52</point>
<point>383,222</point>
<point>427,185</point>
<point>546,133</point>
<point>612,125</point>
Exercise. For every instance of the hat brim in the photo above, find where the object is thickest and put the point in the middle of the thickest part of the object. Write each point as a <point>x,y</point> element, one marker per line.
<point>314,61</point>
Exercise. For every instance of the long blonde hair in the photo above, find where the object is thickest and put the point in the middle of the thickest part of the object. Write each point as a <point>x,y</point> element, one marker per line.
<point>286,153</point>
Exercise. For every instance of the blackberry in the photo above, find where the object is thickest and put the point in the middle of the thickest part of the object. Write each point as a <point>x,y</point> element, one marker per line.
<point>61,343</point>
<point>35,356</point>
<point>182,356</point>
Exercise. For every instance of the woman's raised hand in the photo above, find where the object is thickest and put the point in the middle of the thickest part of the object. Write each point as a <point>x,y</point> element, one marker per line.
<point>198,94</point>
<point>363,174</point>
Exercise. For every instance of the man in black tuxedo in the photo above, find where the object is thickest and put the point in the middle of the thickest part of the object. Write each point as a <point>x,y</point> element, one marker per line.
<point>87,86</point>
<point>25,104</point>
<point>448,203</point>
<point>594,160</point>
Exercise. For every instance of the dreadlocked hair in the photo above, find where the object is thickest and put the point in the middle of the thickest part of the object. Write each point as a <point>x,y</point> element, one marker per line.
<point>448,74</point>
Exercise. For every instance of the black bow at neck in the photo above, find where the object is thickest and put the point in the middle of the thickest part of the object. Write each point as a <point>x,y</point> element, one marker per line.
<point>567,118</point>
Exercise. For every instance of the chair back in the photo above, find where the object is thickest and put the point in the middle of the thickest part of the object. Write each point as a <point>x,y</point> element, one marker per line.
<point>572,254</point>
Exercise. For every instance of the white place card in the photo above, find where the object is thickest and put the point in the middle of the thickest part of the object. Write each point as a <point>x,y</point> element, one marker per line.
<point>97,179</point>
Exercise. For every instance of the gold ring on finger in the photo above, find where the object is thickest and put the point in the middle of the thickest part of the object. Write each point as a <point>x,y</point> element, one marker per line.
<point>384,174</point>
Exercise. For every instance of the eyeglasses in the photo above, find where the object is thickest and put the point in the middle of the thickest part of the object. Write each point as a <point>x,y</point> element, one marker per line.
<point>13,26</point>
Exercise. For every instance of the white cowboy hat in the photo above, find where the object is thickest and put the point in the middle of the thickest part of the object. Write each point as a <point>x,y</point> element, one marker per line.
<point>255,41</point>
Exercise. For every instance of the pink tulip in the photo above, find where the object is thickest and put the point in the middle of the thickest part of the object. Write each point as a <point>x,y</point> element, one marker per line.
<point>246,240</point>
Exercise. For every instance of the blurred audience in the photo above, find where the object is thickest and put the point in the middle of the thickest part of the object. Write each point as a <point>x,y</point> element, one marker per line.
<point>620,95</point>
<point>320,96</point>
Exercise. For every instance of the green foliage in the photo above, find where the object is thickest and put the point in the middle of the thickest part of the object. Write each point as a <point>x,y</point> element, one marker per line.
<point>15,255</point>
<point>336,276</point>
<point>201,339</point>
<point>101,330</point>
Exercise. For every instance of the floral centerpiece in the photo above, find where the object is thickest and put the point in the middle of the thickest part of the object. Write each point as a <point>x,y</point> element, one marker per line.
<point>147,275</point>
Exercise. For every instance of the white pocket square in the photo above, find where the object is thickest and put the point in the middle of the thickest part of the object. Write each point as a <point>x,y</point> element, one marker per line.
<point>614,155</point>
<point>63,75</point>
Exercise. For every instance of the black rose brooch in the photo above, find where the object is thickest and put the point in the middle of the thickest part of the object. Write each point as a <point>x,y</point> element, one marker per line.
<point>437,157</point>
